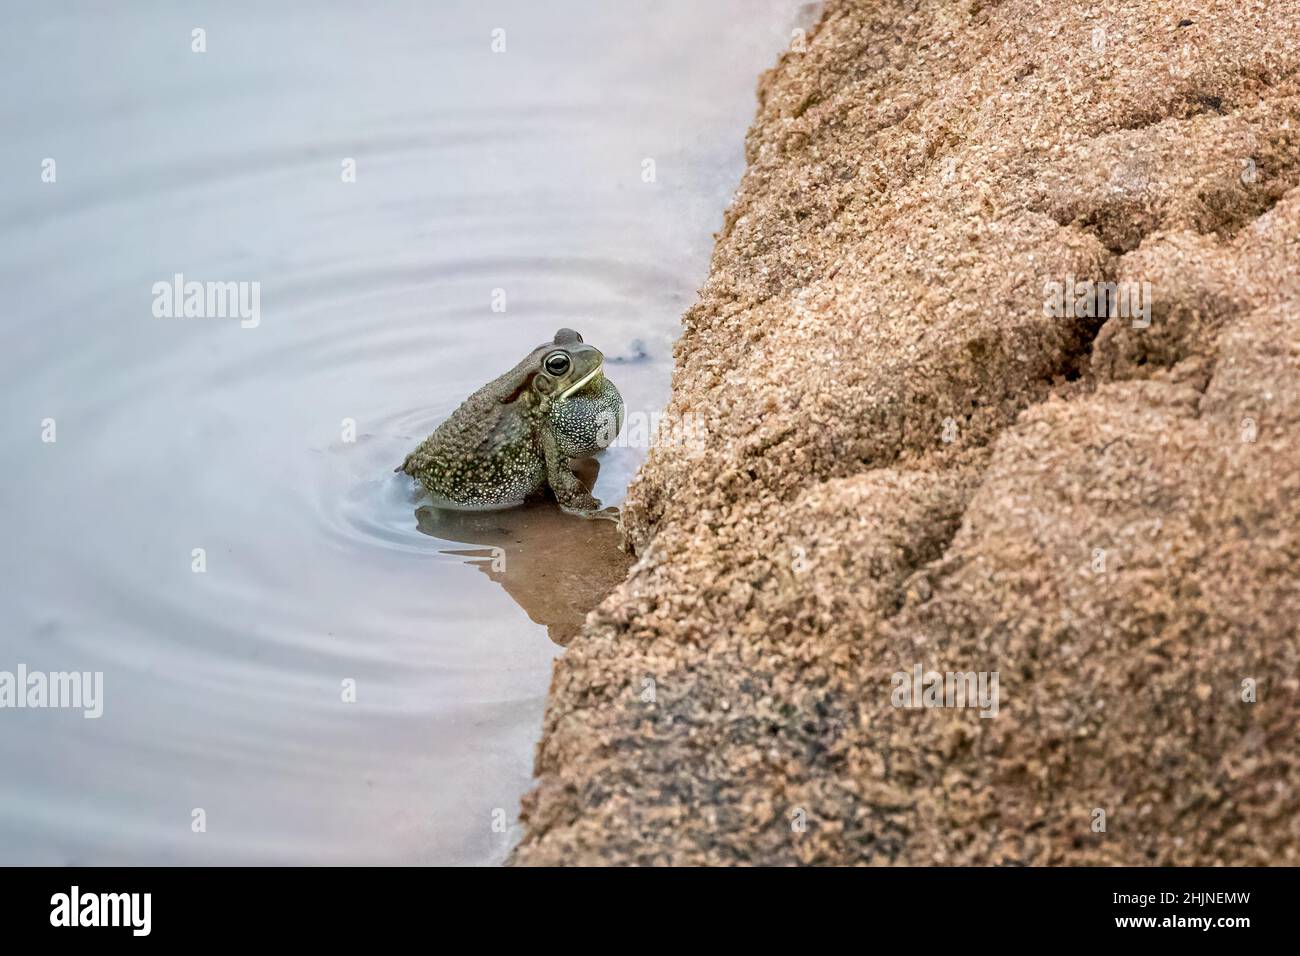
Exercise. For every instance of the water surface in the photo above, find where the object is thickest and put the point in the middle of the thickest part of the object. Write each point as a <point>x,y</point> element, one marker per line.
<point>482,178</point>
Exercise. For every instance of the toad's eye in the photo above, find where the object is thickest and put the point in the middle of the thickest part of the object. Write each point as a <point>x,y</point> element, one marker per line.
<point>557,363</point>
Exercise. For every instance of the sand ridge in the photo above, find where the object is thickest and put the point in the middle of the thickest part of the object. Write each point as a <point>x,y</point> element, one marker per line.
<point>908,460</point>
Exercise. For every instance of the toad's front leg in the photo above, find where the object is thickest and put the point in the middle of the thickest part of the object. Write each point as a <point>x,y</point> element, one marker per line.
<point>569,491</point>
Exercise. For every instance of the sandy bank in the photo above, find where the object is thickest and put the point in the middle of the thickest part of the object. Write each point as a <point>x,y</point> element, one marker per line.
<point>913,459</point>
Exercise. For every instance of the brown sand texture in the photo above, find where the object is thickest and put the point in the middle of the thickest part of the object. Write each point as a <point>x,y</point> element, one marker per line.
<point>903,458</point>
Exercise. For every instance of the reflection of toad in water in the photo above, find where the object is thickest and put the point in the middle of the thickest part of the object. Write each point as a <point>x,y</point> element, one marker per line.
<point>557,567</point>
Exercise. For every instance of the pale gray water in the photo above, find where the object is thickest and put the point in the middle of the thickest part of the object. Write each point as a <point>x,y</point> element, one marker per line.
<point>475,171</point>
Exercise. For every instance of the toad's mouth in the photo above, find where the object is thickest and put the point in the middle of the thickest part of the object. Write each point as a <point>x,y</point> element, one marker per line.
<point>585,380</point>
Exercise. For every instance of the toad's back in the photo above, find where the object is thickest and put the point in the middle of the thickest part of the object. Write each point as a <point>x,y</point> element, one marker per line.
<point>485,455</point>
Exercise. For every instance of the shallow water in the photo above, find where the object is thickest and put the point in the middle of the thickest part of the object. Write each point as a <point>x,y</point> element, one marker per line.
<point>271,447</point>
